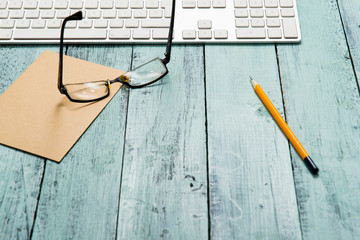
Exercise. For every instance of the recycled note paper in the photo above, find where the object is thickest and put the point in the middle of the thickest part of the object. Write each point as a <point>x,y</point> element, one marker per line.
<point>36,118</point>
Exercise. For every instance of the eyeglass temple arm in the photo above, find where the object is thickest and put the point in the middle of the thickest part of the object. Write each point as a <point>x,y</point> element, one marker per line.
<point>75,16</point>
<point>171,29</point>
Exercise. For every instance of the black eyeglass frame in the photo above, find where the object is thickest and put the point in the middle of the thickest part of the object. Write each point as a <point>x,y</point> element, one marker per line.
<point>78,16</point>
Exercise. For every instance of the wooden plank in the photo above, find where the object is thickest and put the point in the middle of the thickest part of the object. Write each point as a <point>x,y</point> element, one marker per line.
<point>252,193</point>
<point>349,10</point>
<point>164,185</point>
<point>20,173</point>
<point>323,108</point>
<point>79,198</point>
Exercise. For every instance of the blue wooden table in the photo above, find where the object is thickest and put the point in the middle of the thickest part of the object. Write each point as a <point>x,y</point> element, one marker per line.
<point>198,156</point>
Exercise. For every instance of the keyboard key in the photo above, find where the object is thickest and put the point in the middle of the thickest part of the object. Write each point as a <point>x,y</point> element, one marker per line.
<point>166,3</point>
<point>30,4</point>
<point>54,23</point>
<point>93,14</point>
<point>241,13</point>
<point>273,22</point>
<point>119,34</point>
<point>287,12</point>
<point>272,12</point>
<point>4,14</point>
<point>71,24</point>
<point>45,4</point>
<point>33,14</point>
<point>286,3</point>
<point>85,23</point>
<point>7,23</point>
<point>5,34</point>
<point>85,33</point>
<point>136,4</point>
<point>256,13</point>
<point>48,14</point>
<point>160,33</point>
<point>15,4</point>
<point>271,3</point>
<point>257,22</point>
<point>220,34</point>
<point>188,4</point>
<point>140,13</point>
<point>204,24</point>
<point>189,34</point>
<point>289,28</point>
<point>167,12</point>
<point>219,4</point>
<point>122,4</point>
<point>155,13</point>
<point>91,4</point>
<point>155,23</point>
<point>274,33</point>
<point>60,4</point>
<point>55,34</point>
<point>205,34</point>
<point>61,14</point>
<point>255,3</point>
<point>240,3</point>
<point>100,23</point>
<point>109,13</point>
<point>38,23</point>
<point>141,34</point>
<point>124,13</point>
<point>3,4</point>
<point>250,33</point>
<point>132,23</point>
<point>204,4</point>
<point>76,4</point>
<point>106,4</point>
<point>152,4</point>
<point>17,14</point>
<point>23,23</point>
<point>116,23</point>
<point>242,22</point>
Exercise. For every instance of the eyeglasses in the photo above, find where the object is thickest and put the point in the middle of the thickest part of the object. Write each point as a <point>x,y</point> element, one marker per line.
<point>96,90</point>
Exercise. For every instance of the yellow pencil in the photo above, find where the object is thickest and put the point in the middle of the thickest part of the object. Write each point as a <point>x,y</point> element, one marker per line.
<point>285,128</point>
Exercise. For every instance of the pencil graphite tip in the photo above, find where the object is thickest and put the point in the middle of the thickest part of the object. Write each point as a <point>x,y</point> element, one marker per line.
<point>253,82</point>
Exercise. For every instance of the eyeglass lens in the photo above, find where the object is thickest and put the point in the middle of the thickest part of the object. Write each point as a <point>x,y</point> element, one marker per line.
<point>145,73</point>
<point>88,90</point>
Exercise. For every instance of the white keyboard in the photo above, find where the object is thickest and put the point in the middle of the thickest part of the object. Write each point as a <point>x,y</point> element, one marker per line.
<point>147,21</point>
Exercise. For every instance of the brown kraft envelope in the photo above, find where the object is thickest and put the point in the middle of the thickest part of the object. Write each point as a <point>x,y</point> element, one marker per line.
<point>36,118</point>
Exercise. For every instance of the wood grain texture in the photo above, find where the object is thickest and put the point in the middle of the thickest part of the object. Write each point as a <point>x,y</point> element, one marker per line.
<point>349,10</point>
<point>164,186</point>
<point>323,109</point>
<point>20,173</point>
<point>79,197</point>
<point>252,194</point>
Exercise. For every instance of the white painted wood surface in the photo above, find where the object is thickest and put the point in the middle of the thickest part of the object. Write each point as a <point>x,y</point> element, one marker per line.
<point>351,21</point>
<point>164,184</point>
<point>252,193</point>
<point>323,109</point>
